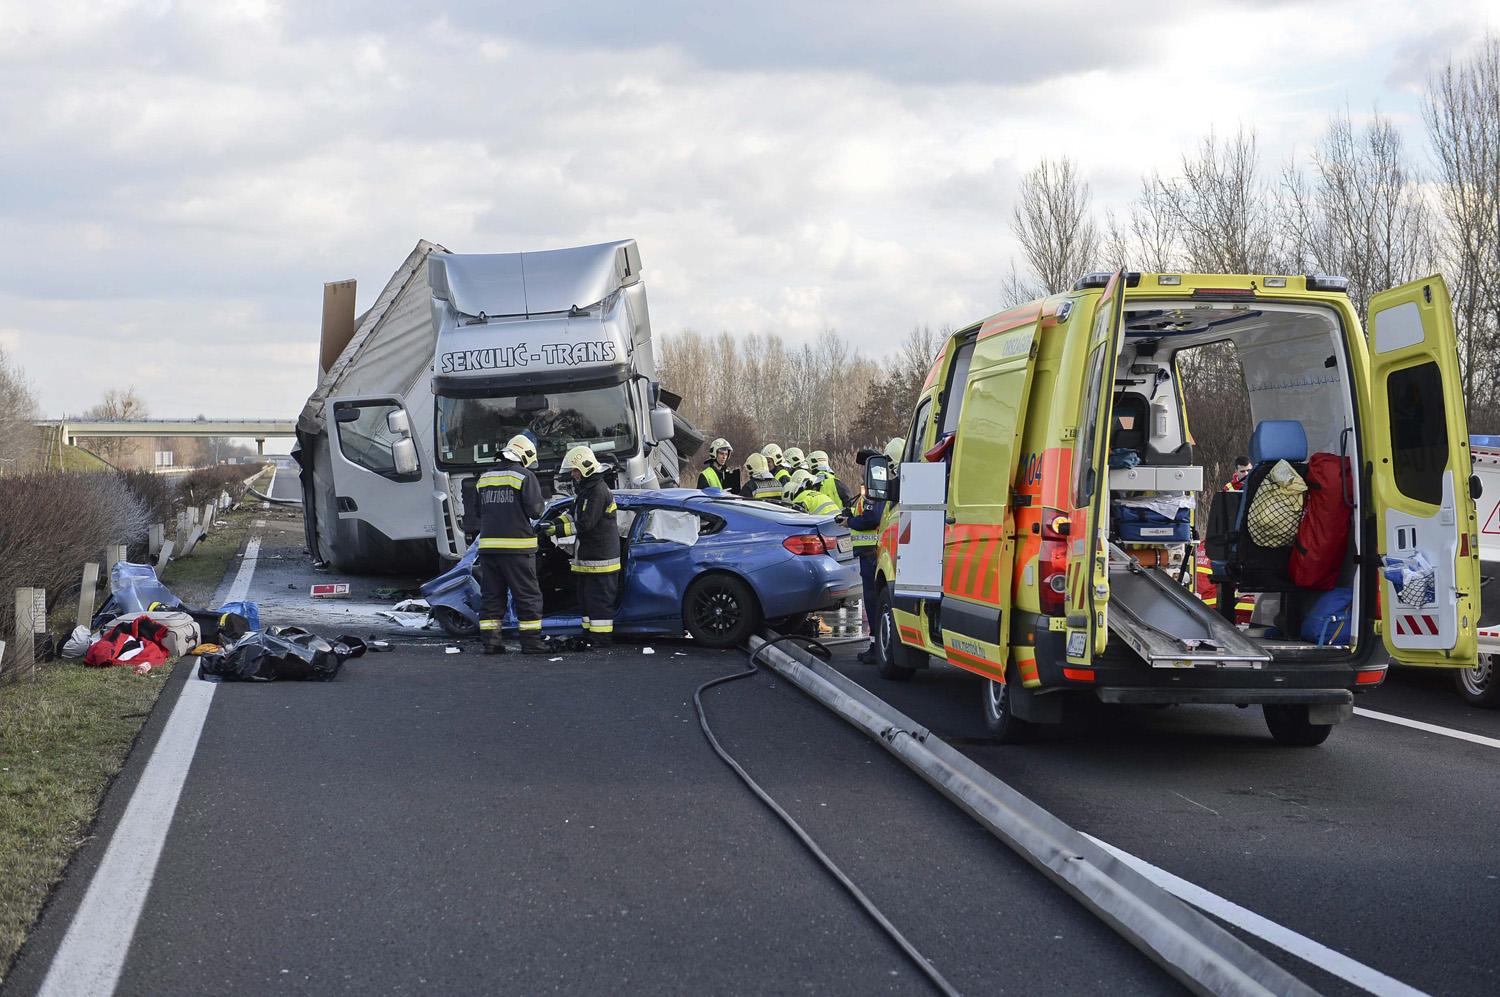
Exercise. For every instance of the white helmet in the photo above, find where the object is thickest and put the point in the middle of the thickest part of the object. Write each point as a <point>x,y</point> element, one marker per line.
<point>794,457</point>
<point>772,453</point>
<point>522,449</point>
<point>719,444</point>
<point>894,448</point>
<point>819,460</point>
<point>757,465</point>
<point>581,459</point>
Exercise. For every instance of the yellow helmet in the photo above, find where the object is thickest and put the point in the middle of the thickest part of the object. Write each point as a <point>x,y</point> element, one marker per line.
<point>894,448</point>
<point>757,465</point>
<point>719,444</point>
<point>794,457</point>
<point>581,459</point>
<point>521,446</point>
<point>818,459</point>
<point>772,453</point>
<point>794,485</point>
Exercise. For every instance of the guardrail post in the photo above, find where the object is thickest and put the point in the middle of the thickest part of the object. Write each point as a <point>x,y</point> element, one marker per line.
<point>154,538</point>
<point>208,514</point>
<point>86,594</point>
<point>114,554</point>
<point>163,558</point>
<point>192,541</point>
<point>29,623</point>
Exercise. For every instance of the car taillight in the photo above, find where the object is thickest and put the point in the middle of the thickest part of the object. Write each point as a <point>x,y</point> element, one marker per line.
<point>1052,562</point>
<point>810,543</point>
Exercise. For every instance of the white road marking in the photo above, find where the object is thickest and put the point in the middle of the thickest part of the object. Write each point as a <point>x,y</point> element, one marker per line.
<point>1327,959</point>
<point>93,951</point>
<point>1461,735</point>
<point>270,488</point>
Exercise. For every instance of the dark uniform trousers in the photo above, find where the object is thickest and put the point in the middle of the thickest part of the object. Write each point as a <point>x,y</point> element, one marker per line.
<point>502,574</point>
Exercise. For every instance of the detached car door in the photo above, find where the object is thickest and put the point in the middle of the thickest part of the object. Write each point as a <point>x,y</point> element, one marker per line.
<point>1420,471</point>
<point>1088,553</point>
<point>378,474</point>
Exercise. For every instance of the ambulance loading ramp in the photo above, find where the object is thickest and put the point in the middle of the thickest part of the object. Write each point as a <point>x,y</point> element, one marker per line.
<point>1168,626</point>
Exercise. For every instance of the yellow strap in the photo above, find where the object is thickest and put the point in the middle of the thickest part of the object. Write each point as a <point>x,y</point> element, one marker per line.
<point>507,543</point>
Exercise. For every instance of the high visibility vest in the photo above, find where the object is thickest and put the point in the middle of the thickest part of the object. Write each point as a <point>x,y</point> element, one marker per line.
<point>709,477</point>
<point>864,538</point>
<point>816,503</point>
<point>829,485</point>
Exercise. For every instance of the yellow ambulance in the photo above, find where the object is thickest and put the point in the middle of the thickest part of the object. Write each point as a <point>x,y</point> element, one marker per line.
<point>1049,470</point>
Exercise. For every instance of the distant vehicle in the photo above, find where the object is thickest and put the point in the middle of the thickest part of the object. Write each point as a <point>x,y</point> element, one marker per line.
<point>1477,684</point>
<point>1051,439</point>
<point>713,566</point>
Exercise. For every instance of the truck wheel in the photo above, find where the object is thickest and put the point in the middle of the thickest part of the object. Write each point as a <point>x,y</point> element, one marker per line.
<point>720,610</point>
<point>893,659</point>
<point>1477,685</point>
<point>1289,725</point>
<point>1004,726</point>
<point>454,623</point>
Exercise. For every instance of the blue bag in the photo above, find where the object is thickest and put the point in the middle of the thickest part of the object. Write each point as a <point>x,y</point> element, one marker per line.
<point>1327,621</point>
<point>246,609</point>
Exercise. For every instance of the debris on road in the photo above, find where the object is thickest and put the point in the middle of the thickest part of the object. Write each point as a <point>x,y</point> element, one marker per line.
<point>331,590</point>
<point>280,653</point>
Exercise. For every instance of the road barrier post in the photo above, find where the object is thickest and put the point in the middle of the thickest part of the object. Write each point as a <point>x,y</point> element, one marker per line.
<point>163,558</point>
<point>29,623</point>
<point>114,554</point>
<point>193,516</point>
<point>86,594</point>
<point>192,541</point>
<point>154,537</point>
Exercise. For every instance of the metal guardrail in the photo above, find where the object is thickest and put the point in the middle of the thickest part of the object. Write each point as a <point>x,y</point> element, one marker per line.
<point>1192,948</point>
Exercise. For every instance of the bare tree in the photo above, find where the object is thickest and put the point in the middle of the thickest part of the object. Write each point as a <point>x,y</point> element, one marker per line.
<point>17,415</point>
<point>1462,113</point>
<point>1053,221</point>
<point>118,404</point>
<point>1360,214</point>
<point>1221,208</point>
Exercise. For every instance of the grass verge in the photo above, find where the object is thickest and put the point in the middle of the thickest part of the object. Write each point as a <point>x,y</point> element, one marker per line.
<point>195,579</point>
<point>62,739</point>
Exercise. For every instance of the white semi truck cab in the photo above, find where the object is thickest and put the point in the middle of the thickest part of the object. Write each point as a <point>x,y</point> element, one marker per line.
<point>553,344</point>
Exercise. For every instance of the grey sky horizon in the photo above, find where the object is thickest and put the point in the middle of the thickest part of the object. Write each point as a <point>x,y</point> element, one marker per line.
<point>180,179</point>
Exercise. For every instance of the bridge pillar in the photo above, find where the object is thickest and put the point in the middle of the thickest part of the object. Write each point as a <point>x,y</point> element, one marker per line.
<point>260,447</point>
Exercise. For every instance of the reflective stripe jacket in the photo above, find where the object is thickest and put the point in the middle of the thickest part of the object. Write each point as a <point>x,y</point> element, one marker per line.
<point>865,524</point>
<point>816,503</point>
<point>592,519</point>
<point>767,489</point>
<point>835,489</point>
<point>509,499</point>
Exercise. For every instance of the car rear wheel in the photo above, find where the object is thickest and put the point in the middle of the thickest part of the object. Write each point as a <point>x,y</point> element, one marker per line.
<point>454,623</point>
<point>1477,685</point>
<point>1004,726</point>
<point>720,611</point>
<point>1290,725</point>
<point>893,659</point>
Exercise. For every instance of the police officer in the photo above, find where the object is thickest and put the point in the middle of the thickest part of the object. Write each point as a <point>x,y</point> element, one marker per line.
<point>509,498</point>
<point>760,483</point>
<point>828,482</point>
<point>773,456</point>
<point>864,522</point>
<point>802,492</point>
<point>716,473</point>
<point>596,556</point>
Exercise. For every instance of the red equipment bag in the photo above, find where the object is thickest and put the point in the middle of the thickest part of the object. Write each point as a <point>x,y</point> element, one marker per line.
<point>1323,538</point>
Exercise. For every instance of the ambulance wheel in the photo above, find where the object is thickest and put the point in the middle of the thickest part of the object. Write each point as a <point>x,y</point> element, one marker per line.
<point>893,660</point>
<point>720,610</point>
<point>1004,727</point>
<point>1289,725</point>
<point>454,623</point>
<point>1477,685</point>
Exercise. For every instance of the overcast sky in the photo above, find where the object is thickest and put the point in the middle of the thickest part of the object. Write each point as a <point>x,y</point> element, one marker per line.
<point>177,180</point>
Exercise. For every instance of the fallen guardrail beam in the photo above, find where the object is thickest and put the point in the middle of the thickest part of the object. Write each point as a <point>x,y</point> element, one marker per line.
<point>1192,948</point>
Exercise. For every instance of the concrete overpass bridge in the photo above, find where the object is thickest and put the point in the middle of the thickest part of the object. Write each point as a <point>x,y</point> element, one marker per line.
<point>259,430</point>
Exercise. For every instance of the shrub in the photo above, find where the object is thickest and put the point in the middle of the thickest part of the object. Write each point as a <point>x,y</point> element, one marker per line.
<point>50,524</point>
<point>205,484</point>
<point>157,493</point>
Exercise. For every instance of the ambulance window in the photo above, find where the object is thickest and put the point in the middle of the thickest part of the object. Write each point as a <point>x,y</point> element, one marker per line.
<point>1419,431</point>
<point>1083,453</point>
<point>915,445</point>
<point>953,396</point>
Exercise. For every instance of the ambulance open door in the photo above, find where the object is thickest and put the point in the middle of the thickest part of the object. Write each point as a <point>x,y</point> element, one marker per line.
<point>1417,444</point>
<point>1088,551</point>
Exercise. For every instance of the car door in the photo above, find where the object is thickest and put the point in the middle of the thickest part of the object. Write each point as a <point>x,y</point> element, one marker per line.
<point>378,473</point>
<point>981,526</point>
<point>660,561</point>
<point>1418,446</point>
<point>1088,553</point>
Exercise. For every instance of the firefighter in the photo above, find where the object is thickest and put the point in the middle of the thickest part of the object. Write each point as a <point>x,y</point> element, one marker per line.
<point>828,482</point>
<point>509,498</point>
<point>715,473</point>
<point>794,459</point>
<point>596,555</point>
<point>760,483</point>
<point>773,456</point>
<point>802,491</point>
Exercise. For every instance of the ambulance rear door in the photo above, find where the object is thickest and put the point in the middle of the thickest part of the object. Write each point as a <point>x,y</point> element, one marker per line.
<point>1088,552</point>
<point>981,532</point>
<point>1418,446</point>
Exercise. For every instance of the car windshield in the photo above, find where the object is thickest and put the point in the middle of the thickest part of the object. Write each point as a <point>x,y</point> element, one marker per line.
<point>473,430</point>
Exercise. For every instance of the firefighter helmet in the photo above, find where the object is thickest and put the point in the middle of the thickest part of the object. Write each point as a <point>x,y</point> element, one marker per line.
<point>794,457</point>
<point>819,460</point>
<point>795,485</point>
<point>893,449</point>
<point>757,465</point>
<point>521,448</point>
<point>719,444</point>
<point>581,459</point>
<point>772,453</point>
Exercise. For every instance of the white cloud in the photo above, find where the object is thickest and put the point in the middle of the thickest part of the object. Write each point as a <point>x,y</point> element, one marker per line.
<point>181,178</point>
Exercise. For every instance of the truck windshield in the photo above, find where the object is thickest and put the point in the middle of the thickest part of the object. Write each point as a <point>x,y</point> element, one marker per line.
<point>473,430</point>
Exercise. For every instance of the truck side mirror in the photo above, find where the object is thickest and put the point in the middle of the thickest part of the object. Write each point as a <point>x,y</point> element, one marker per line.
<point>398,423</point>
<point>662,426</point>
<point>653,393</point>
<point>878,483</point>
<point>404,454</point>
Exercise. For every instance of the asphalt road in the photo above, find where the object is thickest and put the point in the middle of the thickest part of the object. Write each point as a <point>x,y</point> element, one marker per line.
<point>450,823</point>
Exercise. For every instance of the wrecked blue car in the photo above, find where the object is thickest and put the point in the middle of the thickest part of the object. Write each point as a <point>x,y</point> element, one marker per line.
<point>708,564</point>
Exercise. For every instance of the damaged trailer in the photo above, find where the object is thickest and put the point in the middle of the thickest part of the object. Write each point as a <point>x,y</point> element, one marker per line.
<point>458,354</point>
